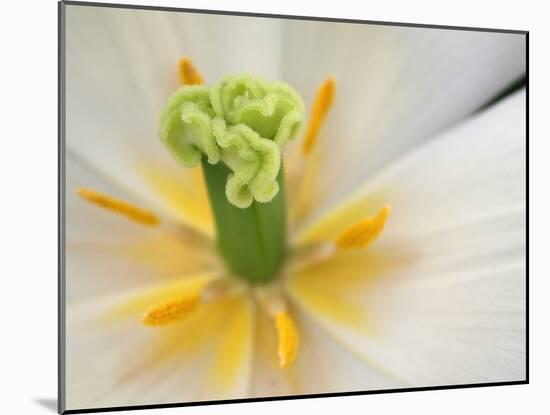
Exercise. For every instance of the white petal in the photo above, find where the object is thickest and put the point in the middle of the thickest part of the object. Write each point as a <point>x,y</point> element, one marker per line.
<point>440,298</point>
<point>395,87</point>
<point>121,68</point>
<point>474,170</point>
<point>106,252</point>
<point>120,362</point>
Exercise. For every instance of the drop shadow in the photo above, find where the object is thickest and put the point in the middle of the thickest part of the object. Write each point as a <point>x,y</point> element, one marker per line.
<point>48,403</point>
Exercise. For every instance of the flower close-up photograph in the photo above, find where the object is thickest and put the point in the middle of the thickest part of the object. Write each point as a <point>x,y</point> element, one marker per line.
<point>260,206</point>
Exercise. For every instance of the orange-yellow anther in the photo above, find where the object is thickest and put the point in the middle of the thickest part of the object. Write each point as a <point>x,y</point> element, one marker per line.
<point>289,340</point>
<point>365,232</point>
<point>189,75</point>
<point>323,102</point>
<point>118,206</point>
<point>170,311</point>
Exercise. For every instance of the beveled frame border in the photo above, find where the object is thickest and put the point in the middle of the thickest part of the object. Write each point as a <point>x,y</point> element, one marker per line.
<point>61,204</point>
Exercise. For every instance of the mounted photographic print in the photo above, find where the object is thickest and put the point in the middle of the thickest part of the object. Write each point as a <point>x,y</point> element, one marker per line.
<point>257,207</point>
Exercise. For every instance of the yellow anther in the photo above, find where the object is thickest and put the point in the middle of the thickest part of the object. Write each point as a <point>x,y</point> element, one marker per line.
<point>365,232</point>
<point>118,206</point>
<point>289,340</point>
<point>189,75</point>
<point>170,311</point>
<point>321,105</point>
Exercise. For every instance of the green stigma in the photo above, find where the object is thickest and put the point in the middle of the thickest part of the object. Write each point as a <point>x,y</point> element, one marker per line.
<point>243,122</point>
<point>236,129</point>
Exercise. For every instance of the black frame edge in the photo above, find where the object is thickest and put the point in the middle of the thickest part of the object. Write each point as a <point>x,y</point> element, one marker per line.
<point>292,397</point>
<point>291,17</point>
<point>527,297</point>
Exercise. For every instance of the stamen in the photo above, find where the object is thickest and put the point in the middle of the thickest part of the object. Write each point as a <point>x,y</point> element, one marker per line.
<point>120,207</point>
<point>365,232</point>
<point>170,311</point>
<point>323,102</point>
<point>270,298</point>
<point>289,341</point>
<point>305,256</point>
<point>220,288</point>
<point>189,75</point>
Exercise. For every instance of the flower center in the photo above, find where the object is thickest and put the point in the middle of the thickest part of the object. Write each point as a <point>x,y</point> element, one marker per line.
<point>236,130</point>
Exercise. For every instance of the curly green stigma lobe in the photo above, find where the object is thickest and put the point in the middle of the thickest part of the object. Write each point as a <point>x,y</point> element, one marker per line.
<point>236,129</point>
<point>242,121</point>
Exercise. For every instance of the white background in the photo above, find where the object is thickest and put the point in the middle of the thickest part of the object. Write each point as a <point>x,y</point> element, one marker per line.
<point>28,203</point>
